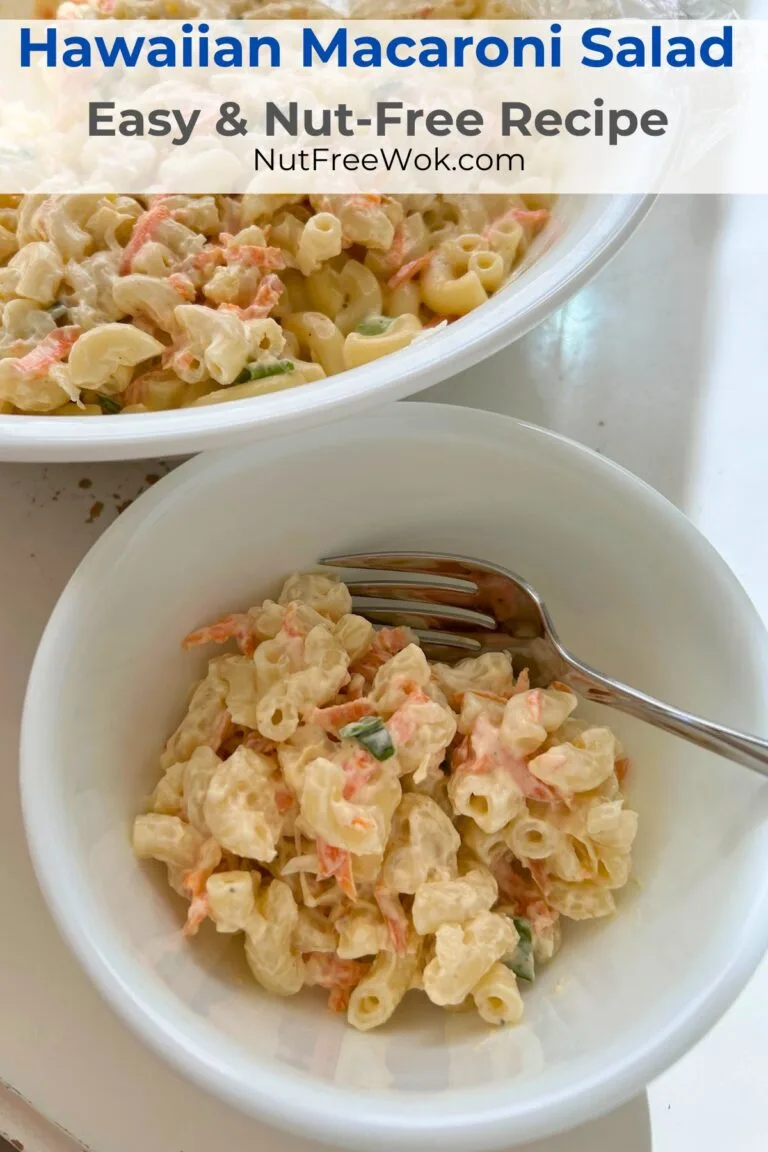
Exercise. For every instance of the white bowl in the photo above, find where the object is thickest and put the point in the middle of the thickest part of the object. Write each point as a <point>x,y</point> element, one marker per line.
<point>634,589</point>
<point>584,233</point>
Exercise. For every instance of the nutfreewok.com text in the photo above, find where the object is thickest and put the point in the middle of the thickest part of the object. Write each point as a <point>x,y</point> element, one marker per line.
<point>406,160</point>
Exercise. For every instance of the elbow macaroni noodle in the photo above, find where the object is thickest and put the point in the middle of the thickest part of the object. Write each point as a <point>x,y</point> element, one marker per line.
<point>132,304</point>
<point>373,823</point>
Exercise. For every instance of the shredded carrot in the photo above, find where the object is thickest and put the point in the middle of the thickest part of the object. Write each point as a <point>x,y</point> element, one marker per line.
<point>194,882</point>
<point>327,970</point>
<point>179,359</point>
<point>283,800</point>
<point>53,348</point>
<point>247,255</point>
<point>527,217</point>
<point>386,643</point>
<point>363,200</point>
<point>362,823</point>
<point>395,917</point>
<point>535,704</point>
<point>532,216</point>
<point>267,295</point>
<point>333,718</point>
<point>338,999</point>
<point>209,256</point>
<point>255,256</point>
<point>358,771</point>
<point>183,286</point>
<point>541,916</point>
<point>390,641</point>
<point>143,230</point>
<point>460,755</point>
<point>394,258</point>
<point>621,768</point>
<point>335,862</point>
<point>239,626</point>
<point>486,752</point>
<point>531,787</point>
<point>136,392</point>
<point>409,270</point>
<point>404,722</point>
<point>518,889</point>
<point>293,625</point>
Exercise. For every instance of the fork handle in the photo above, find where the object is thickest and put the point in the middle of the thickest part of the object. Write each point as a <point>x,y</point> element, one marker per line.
<point>750,751</point>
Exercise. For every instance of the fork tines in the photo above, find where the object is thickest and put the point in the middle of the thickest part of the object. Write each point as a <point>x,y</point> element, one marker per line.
<point>435,602</point>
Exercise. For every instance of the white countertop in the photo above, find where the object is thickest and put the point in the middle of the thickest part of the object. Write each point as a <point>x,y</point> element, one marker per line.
<point>660,365</point>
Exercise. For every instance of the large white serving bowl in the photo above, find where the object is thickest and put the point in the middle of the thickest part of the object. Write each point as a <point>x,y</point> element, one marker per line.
<point>584,233</point>
<point>634,588</point>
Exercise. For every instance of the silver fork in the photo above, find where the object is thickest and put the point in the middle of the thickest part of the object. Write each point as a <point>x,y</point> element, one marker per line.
<point>462,607</point>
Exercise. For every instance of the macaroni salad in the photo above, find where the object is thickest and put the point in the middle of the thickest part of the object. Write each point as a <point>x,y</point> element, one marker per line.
<point>120,304</point>
<point>373,823</point>
<point>128,304</point>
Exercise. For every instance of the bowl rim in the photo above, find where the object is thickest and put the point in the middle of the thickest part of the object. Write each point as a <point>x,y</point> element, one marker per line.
<point>425,362</point>
<point>473,1118</point>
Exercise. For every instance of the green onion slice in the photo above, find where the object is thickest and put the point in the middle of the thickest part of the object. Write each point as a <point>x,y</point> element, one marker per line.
<point>374,325</point>
<point>372,733</point>
<point>259,371</point>
<point>522,962</point>
<point>58,311</point>
<point>108,405</point>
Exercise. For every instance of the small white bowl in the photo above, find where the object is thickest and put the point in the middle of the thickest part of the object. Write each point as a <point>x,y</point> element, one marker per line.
<point>583,235</point>
<point>634,589</point>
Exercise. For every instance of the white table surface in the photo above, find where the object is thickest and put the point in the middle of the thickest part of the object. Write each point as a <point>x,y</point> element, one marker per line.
<point>661,365</point>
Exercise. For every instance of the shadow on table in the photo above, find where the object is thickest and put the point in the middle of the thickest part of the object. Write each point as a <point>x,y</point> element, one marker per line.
<point>627,1129</point>
<point>620,367</point>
